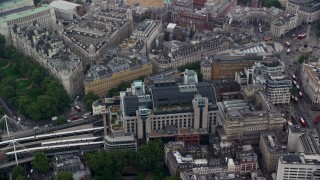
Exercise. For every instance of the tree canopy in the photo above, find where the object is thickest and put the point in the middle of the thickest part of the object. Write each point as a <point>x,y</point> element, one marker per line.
<point>64,175</point>
<point>27,86</point>
<point>41,162</point>
<point>60,121</point>
<point>148,158</point>
<point>89,98</point>
<point>303,58</point>
<point>193,66</point>
<point>18,171</point>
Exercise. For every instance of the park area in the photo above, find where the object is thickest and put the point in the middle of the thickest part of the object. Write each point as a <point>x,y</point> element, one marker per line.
<point>23,85</point>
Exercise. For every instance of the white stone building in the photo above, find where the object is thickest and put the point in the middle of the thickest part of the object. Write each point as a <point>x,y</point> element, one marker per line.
<point>298,166</point>
<point>44,16</point>
<point>9,6</point>
<point>48,49</point>
<point>283,24</point>
<point>311,81</point>
<point>308,11</point>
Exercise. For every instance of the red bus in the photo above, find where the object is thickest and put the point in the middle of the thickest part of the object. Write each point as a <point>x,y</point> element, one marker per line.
<point>301,36</point>
<point>300,94</point>
<point>302,122</point>
<point>287,44</point>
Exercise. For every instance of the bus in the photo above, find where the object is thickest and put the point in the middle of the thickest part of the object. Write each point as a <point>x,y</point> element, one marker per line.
<point>293,77</point>
<point>300,94</point>
<point>78,108</point>
<point>301,36</point>
<point>297,86</point>
<point>290,123</point>
<point>295,83</point>
<point>302,122</point>
<point>288,44</point>
<point>288,51</point>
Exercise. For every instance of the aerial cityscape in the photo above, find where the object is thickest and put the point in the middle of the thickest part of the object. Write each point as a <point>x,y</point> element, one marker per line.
<point>160,89</point>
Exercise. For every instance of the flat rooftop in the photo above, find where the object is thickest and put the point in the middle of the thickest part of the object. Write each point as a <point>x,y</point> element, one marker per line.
<point>24,14</point>
<point>9,3</point>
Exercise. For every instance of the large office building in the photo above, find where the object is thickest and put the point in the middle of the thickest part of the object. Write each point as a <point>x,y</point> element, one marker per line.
<point>113,69</point>
<point>283,24</point>
<point>93,34</point>
<point>271,147</point>
<point>225,64</point>
<point>244,120</point>
<point>269,73</point>
<point>298,166</point>
<point>10,7</point>
<point>44,16</point>
<point>184,112</point>
<point>308,10</point>
<point>66,10</point>
<point>311,81</point>
<point>301,140</point>
<point>148,31</point>
<point>176,53</point>
<point>48,49</point>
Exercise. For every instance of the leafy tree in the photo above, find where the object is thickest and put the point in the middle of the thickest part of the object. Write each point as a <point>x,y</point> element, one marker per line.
<point>36,2</point>
<point>64,175</point>
<point>20,178</point>
<point>89,98</point>
<point>193,66</point>
<point>79,2</point>
<point>2,40</point>
<point>41,162</point>
<point>18,171</point>
<point>101,164</point>
<point>8,92</point>
<point>60,121</point>
<point>303,58</point>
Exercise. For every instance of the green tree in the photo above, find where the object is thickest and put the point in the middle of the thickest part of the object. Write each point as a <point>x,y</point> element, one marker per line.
<point>60,121</point>
<point>79,2</point>
<point>36,2</point>
<point>303,58</point>
<point>100,163</point>
<point>89,98</point>
<point>20,178</point>
<point>18,171</point>
<point>2,40</point>
<point>41,162</point>
<point>64,175</point>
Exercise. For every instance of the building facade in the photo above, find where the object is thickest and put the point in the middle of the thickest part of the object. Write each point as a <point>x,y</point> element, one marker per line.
<point>243,122</point>
<point>283,24</point>
<point>176,53</point>
<point>311,81</point>
<point>166,110</point>
<point>298,166</point>
<point>91,36</point>
<point>270,149</point>
<point>52,54</point>
<point>115,69</point>
<point>44,16</point>
<point>308,10</point>
<point>8,7</point>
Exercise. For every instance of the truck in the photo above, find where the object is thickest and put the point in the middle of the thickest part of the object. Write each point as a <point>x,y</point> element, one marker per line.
<point>77,108</point>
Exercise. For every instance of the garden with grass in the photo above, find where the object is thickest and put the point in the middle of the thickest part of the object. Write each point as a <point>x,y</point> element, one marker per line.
<point>28,87</point>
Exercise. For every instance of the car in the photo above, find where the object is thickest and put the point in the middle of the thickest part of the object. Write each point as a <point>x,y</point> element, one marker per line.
<point>293,35</point>
<point>74,117</point>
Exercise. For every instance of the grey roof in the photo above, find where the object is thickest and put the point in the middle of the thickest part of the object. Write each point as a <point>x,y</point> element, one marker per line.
<point>175,95</point>
<point>131,104</point>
